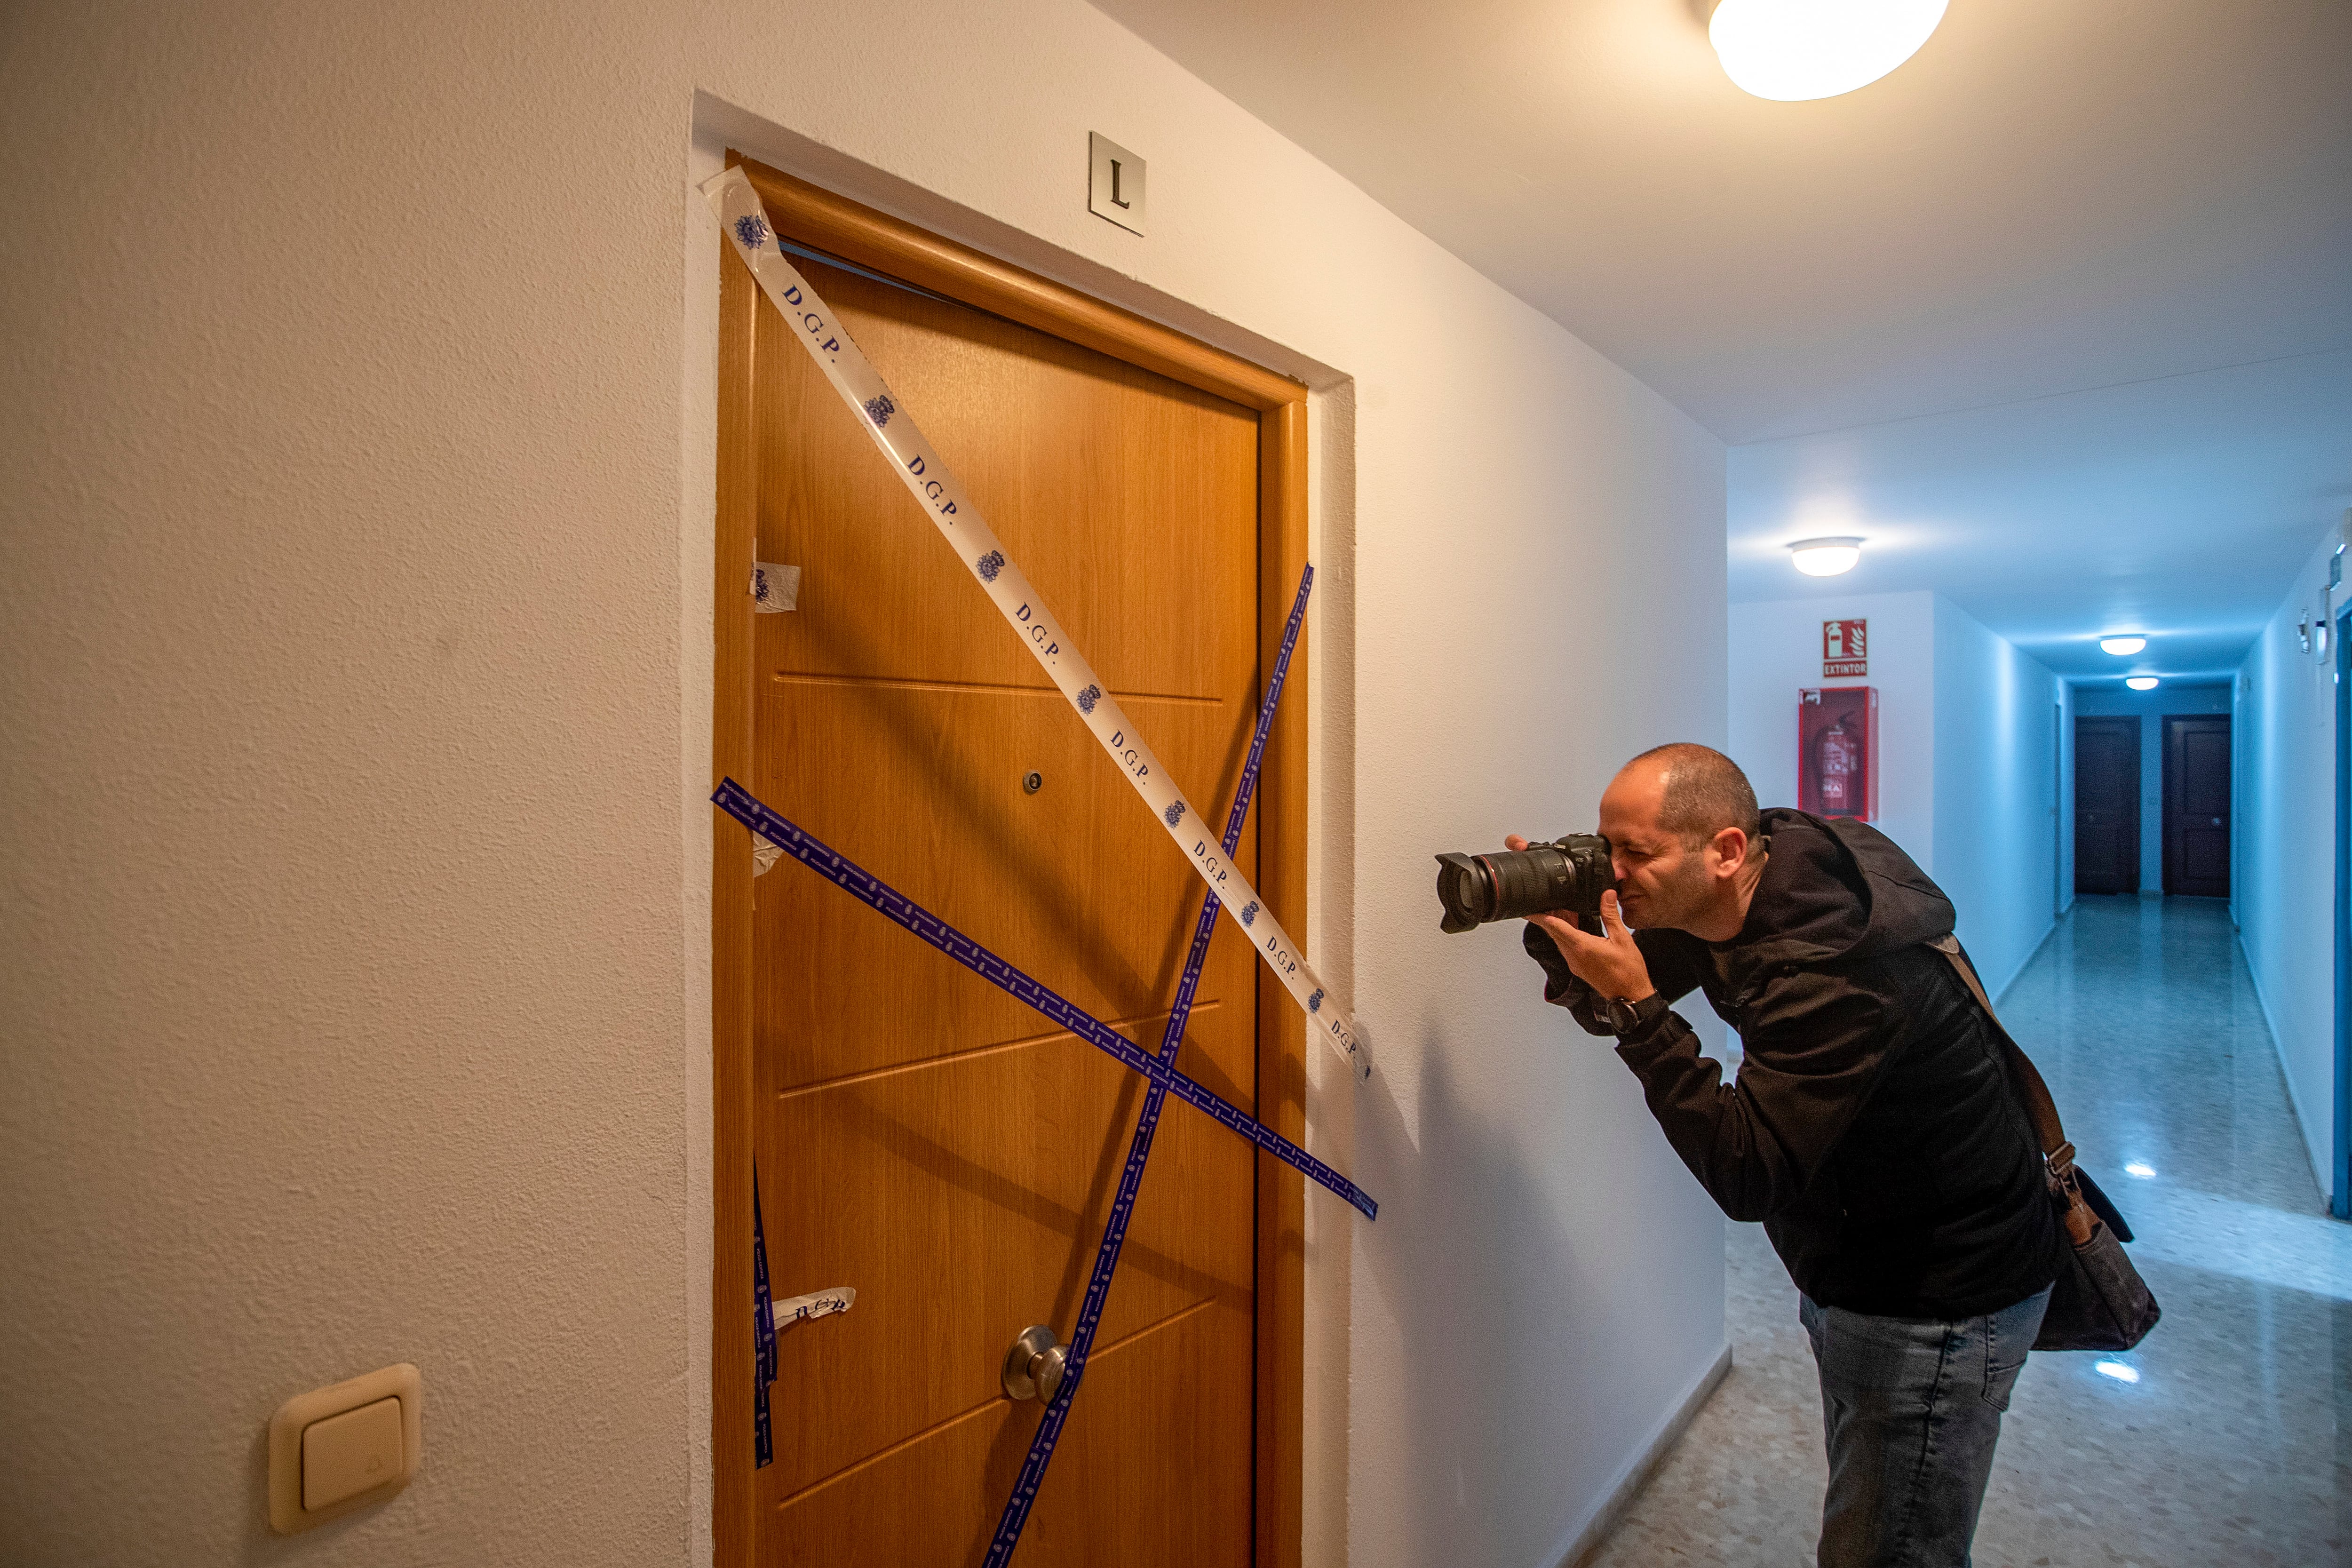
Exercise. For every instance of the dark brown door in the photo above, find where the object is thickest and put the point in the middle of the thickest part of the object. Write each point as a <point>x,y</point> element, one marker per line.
<point>2197,805</point>
<point>2106,806</point>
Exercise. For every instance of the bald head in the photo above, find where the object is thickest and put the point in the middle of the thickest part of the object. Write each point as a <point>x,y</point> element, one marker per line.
<point>1700,792</point>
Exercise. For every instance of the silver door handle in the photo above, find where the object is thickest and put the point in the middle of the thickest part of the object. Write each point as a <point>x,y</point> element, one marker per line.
<point>1033,1366</point>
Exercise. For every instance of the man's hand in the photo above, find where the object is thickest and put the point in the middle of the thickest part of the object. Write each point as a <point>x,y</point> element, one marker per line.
<point>1609,963</point>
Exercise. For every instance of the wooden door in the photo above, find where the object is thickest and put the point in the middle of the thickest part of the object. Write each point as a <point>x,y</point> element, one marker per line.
<point>919,1134</point>
<point>2106,806</point>
<point>2197,805</point>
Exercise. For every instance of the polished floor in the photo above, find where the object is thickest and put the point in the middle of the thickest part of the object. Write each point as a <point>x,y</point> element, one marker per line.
<point>2227,1439</point>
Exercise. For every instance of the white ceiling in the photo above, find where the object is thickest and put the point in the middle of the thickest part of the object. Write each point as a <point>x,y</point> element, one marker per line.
<point>2052,197</point>
<point>2180,507</point>
<point>2052,194</point>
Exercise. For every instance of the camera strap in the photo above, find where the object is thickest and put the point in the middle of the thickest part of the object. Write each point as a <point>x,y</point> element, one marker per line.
<point>929,480</point>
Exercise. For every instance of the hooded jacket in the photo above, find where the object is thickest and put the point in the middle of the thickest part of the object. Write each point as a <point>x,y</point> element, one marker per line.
<point>1871,1125</point>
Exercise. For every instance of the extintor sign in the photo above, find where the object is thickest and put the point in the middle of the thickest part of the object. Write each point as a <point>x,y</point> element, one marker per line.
<point>1845,649</point>
<point>1837,750</point>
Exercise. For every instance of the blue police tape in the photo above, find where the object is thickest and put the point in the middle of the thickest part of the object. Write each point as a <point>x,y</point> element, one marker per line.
<point>763,1334</point>
<point>1015,1516</point>
<point>837,869</point>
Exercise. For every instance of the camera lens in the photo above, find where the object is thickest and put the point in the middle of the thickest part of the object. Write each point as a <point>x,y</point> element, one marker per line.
<point>1466,890</point>
<point>1570,875</point>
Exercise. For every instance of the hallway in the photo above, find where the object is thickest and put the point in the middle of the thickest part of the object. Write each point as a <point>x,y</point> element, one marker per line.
<point>2226,1443</point>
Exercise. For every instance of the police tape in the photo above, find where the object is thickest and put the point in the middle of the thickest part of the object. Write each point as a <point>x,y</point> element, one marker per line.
<point>763,1335</point>
<point>951,509</point>
<point>793,1309</point>
<point>1015,1516</point>
<point>847,874</point>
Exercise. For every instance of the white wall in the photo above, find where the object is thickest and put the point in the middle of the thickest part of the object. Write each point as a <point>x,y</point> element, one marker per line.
<point>2150,707</point>
<point>1970,771</point>
<point>2284,883</point>
<point>357,428</point>
<point>1997,796</point>
<point>1776,651</point>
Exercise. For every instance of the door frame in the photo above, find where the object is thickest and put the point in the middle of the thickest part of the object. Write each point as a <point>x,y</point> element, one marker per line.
<point>2061,820</point>
<point>2131,796</point>
<point>811,215</point>
<point>2340,1200</point>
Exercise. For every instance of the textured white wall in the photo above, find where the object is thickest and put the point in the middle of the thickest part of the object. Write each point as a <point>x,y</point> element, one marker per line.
<point>1997,800</point>
<point>344,979</point>
<point>356,440</point>
<point>2283,886</point>
<point>1775,652</point>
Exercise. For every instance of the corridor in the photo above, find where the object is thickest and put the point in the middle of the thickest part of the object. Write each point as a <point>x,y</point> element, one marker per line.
<point>2219,1440</point>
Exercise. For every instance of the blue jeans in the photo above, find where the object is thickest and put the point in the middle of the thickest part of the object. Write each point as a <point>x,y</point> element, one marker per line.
<point>1912,1410</point>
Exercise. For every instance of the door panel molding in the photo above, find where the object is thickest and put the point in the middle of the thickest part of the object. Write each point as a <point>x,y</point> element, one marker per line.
<point>823,221</point>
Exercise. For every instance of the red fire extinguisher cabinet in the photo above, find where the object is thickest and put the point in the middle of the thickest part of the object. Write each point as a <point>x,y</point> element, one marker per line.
<point>1837,750</point>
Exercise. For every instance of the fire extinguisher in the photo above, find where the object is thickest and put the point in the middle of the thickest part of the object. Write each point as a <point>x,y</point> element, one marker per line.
<point>1838,762</point>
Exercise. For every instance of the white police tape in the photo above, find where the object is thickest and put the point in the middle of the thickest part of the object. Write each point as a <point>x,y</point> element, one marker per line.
<point>774,589</point>
<point>784,1314</point>
<point>921,468</point>
<point>766,853</point>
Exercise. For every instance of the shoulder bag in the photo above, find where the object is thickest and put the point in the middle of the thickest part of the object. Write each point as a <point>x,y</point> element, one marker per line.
<point>2099,1302</point>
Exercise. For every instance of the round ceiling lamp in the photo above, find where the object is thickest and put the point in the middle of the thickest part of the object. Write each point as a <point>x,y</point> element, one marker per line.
<point>2141,682</point>
<point>1825,557</point>
<point>1792,50</point>
<point>2122,648</point>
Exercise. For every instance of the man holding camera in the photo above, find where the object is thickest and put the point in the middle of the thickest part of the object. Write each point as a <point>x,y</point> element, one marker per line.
<point>1872,1126</point>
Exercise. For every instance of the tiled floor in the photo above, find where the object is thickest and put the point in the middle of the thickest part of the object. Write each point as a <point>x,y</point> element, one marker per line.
<point>2232,1446</point>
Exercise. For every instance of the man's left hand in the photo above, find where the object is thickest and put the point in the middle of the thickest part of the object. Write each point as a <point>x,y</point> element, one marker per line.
<point>1609,962</point>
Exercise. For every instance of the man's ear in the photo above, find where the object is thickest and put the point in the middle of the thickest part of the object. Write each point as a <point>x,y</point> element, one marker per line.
<point>1731,846</point>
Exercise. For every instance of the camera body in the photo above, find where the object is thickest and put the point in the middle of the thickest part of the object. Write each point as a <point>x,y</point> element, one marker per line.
<point>1567,876</point>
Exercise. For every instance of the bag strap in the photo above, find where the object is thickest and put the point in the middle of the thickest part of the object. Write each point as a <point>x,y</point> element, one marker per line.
<point>2039,1106</point>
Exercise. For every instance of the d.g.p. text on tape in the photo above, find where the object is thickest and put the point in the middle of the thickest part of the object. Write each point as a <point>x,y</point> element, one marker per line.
<point>928,477</point>
<point>793,1309</point>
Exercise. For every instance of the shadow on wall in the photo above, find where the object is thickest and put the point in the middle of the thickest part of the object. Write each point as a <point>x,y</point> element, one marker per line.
<point>1484,1298</point>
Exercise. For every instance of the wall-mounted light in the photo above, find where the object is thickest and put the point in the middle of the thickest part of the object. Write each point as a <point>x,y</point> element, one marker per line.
<point>1792,50</point>
<point>2122,646</point>
<point>2142,683</point>
<point>1825,557</point>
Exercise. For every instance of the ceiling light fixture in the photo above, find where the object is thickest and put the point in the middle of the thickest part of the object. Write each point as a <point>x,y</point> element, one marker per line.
<point>2142,683</point>
<point>2123,648</point>
<point>1792,50</point>
<point>1825,557</point>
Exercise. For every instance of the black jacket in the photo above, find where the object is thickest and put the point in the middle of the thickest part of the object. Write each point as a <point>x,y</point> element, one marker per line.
<point>1871,1126</point>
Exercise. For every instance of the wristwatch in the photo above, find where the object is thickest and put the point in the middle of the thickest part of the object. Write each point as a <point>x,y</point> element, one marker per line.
<point>1625,1018</point>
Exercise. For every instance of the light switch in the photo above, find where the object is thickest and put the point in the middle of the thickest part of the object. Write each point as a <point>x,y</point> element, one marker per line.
<point>346,1455</point>
<point>344,1446</point>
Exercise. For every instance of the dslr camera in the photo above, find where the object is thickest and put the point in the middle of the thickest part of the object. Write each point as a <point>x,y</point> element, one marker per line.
<point>1567,876</point>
